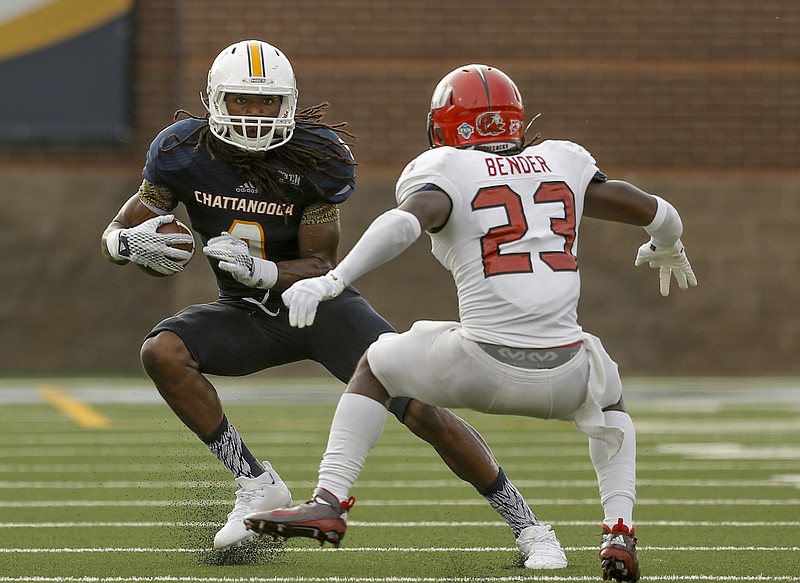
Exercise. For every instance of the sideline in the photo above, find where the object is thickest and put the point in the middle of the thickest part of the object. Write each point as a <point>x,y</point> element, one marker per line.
<point>667,392</point>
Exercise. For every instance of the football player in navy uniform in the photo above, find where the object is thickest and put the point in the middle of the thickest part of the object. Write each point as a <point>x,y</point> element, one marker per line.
<point>261,182</point>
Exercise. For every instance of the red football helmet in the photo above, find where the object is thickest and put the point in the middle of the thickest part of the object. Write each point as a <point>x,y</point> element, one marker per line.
<point>476,105</point>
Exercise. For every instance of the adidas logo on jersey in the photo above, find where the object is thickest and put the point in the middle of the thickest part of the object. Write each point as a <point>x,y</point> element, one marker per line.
<point>247,187</point>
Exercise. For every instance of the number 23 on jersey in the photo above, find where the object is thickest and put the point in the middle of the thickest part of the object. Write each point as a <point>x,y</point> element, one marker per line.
<point>495,262</point>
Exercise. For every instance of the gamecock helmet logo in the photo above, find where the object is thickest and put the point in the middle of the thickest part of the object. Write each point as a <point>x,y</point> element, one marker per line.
<point>490,124</point>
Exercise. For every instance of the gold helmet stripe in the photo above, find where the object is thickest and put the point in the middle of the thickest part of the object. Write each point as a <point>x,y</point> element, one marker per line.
<point>256,58</point>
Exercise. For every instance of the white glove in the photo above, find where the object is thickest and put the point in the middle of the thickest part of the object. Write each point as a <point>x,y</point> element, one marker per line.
<point>669,261</point>
<point>234,257</point>
<point>303,297</point>
<point>143,245</point>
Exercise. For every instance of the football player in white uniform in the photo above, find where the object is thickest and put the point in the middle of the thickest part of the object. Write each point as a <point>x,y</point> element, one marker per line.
<point>503,218</point>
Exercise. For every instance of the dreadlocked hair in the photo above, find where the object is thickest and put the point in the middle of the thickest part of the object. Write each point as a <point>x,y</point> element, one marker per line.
<point>299,158</point>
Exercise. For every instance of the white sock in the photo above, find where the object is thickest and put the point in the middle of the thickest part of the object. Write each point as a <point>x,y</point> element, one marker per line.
<point>616,477</point>
<point>356,427</point>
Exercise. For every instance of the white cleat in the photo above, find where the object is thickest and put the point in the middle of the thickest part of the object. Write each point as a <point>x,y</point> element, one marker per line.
<point>265,492</point>
<point>541,548</point>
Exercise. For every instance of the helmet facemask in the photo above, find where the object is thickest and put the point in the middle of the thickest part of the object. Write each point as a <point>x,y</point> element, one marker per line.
<point>251,68</point>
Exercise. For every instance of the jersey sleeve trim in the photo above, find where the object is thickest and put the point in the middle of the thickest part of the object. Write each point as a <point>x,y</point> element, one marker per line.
<point>320,212</point>
<point>156,197</point>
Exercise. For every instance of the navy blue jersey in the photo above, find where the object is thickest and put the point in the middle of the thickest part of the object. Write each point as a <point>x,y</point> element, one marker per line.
<point>218,199</point>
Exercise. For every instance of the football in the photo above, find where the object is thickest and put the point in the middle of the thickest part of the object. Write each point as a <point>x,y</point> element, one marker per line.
<point>175,226</point>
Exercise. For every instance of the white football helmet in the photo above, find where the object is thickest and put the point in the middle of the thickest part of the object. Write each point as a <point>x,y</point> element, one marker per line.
<point>257,68</point>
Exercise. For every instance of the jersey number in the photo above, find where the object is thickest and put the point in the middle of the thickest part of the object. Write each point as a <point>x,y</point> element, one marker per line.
<point>252,234</point>
<point>497,263</point>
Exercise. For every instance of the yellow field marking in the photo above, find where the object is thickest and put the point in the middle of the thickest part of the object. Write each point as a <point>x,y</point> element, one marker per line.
<point>82,414</point>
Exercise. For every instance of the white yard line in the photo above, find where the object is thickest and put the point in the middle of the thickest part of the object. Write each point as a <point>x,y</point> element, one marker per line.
<point>761,465</point>
<point>510,579</point>
<point>409,524</point>
<point>409,550</point>
<point>794,502</point>
<point>773,481</point>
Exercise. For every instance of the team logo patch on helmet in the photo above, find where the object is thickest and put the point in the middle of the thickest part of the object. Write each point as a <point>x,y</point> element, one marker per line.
<point>465,130</point>
<point>514,126</point>
<point>490,124</point>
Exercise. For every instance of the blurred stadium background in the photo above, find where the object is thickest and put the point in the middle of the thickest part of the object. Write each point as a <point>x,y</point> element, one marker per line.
<point>696,101</point>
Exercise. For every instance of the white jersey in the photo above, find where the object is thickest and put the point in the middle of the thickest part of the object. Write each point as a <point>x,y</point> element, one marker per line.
<point>511,241</point>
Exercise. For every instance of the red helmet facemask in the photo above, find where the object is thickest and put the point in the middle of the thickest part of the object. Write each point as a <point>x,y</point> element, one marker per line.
<point>476,105</point>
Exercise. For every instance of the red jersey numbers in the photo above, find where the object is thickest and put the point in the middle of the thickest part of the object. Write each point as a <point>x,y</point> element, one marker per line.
<point>559,192</point>
<point>494,262</point>
<point>497,263</point>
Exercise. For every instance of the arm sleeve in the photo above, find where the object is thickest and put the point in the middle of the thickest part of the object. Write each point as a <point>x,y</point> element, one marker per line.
<point>387,237</point>
<point>666,227</point>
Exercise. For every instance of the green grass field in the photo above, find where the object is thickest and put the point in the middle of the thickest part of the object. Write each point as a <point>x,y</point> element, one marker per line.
<point>132,496</point>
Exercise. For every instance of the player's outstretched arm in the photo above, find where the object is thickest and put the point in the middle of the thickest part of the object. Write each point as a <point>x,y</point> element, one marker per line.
<point>616,200</point>
<point>387,237</point>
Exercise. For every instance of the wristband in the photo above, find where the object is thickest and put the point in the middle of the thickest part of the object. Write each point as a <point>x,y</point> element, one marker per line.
<point>265,273</point>
<point>666,227</point>
<point>117,246</point>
